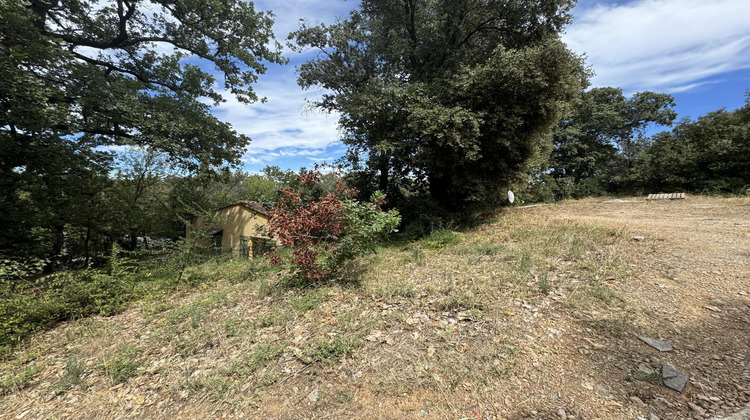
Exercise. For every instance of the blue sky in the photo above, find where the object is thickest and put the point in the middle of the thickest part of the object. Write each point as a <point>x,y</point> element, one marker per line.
<point>697,51</point>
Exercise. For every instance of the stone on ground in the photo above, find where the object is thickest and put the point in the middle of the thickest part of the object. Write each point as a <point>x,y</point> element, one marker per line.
<point>657,344</point>
<point>673,378</point>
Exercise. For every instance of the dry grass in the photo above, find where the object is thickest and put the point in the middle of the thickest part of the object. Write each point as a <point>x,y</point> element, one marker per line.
<point>528,315</point>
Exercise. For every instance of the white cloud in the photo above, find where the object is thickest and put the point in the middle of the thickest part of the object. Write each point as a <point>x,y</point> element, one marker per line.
<point>252,160</point>
<point>666,45</point>
<point>286,126</point>
<point>288,13</point>
<point>285,120</point>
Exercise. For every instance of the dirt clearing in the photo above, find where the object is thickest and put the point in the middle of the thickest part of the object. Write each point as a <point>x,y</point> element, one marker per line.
<point>535,314</point>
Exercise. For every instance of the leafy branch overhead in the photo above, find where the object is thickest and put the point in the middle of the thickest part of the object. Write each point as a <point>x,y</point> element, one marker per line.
<point>132,72</point>
<point>148,40</point>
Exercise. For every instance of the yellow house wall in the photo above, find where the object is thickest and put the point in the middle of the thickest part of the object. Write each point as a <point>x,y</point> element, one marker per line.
<point>237,221</point>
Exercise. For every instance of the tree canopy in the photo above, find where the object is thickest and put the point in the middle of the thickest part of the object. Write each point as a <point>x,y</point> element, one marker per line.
<point>79,78</point>
<point>453,97</point>
<point>597,143</point>
<point>125,73</point>
<point>710,154</point>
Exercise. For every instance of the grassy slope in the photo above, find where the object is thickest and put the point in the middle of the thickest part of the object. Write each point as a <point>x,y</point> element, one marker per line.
<point>479,323</point>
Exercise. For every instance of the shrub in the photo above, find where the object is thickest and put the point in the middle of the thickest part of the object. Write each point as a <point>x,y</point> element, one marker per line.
<point>29,304</point>
<point>326,229</point>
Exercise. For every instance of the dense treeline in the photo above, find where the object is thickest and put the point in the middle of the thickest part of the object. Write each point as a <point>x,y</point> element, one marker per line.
<point>708,155</point>
<point>601,148</point>
<point>142,200</point>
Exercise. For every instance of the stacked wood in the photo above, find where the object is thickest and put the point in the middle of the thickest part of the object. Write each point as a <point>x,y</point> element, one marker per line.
<point>672,196</point>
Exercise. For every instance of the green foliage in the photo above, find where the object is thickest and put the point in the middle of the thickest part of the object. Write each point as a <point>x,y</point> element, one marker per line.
<point>121,365</point>
<point>15,382</point>
<point>366,226</point>
<point>12,270</point>
<point>454,99</point>
<point>711,154</point>
<point>80,79</point>
<point>596,145</point>
<point>71,377</point>
<point>27,306</point>
<point>544,283</point>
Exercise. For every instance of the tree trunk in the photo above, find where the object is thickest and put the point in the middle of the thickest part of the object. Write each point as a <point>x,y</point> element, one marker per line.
<point>383,169</point>
<point>58,239</point>
<point>86,246</point>
<point>441,191</point>
<point>133,242</point>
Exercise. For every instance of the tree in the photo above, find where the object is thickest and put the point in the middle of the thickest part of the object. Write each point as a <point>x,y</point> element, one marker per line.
<point>136,205</point>
<point>80,77</point>
<point>709,154</point>
<point>456,97</point>
<point>266,188</point>
<point>600,139</point>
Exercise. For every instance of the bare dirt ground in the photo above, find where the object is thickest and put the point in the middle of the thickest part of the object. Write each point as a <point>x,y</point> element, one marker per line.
<point>534,315</point>
<point>691,280</point>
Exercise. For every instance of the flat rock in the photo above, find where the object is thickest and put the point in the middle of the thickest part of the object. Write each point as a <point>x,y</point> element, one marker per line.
<point>657,344</point>
<point>673,378</point>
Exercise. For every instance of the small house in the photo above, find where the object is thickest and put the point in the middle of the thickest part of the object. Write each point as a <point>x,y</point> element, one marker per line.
<point>238,229</point>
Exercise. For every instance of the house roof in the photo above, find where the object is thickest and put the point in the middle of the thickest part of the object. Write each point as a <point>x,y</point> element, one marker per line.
<point>213,231</point>
<point>252,205</point>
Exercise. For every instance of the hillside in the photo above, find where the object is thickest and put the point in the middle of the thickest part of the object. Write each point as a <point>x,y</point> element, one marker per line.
<point>534,314</point>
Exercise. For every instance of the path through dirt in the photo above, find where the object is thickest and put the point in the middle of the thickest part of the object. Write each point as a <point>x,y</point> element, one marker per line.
<point>691,277</point>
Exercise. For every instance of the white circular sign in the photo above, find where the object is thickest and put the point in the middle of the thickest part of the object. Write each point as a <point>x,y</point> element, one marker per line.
<point>511,196</point>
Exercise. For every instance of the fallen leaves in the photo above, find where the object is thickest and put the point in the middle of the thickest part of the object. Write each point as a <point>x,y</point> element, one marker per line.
<point>412,320</point>
<point>374,336</point>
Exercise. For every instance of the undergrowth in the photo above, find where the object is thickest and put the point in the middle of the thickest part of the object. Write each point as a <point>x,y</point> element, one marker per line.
<point>29,306</point>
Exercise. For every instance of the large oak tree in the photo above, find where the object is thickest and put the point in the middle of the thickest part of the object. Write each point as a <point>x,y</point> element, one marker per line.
<point>80,77</point>
<point>456,97</point>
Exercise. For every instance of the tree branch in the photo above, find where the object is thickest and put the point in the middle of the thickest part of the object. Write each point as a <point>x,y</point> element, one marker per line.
<point>113,67</point>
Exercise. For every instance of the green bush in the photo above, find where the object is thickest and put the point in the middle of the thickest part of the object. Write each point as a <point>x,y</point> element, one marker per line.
<point>28,305</point>
<point>324,231</point>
